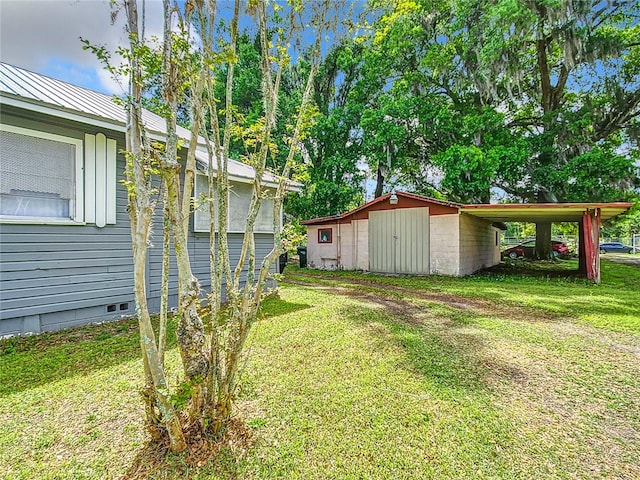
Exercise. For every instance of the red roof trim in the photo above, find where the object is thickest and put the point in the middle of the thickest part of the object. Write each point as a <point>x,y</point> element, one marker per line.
<point>314,221</point>
<point>336,218</point>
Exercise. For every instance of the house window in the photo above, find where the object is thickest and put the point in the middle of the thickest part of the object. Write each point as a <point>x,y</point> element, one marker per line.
<point>497,239</point>
<point>325,235</point>
<point>240,195</point>
<point>49,178</point>
<point>40,176</point>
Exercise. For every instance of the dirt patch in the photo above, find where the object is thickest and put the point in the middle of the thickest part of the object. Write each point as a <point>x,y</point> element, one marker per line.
<point>476,305</point>
<point>402,310</point>
<point>618,342</point>
<point>154,459</point>
<point>625,258</point>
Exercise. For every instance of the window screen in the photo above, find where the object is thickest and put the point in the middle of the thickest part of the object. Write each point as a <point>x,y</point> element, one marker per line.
<point>201,216</point>
<point>37,176</point>
<point>239,201</point>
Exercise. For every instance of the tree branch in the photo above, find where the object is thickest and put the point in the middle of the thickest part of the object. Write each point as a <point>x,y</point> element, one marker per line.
<point>615,119</point>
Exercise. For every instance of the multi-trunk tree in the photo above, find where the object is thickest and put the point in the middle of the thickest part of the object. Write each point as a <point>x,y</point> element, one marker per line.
<point>182,68</point>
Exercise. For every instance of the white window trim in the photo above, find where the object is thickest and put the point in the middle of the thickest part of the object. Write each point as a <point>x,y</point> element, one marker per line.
<point>78,200</point>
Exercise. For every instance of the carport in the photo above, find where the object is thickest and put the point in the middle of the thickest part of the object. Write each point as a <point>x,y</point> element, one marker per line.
<point>588,216</point>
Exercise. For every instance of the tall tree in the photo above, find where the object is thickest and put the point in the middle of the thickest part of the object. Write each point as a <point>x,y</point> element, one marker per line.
<point>328,161</point>
<point>568,75</point>
<point>539,98</point>
<point>332,174</point>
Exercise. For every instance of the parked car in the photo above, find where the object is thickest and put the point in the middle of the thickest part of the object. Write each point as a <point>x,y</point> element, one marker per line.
<point>615,247</point>
<point>526,249</point>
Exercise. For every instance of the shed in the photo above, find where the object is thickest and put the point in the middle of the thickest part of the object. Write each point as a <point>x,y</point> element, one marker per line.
<point>406,233</point>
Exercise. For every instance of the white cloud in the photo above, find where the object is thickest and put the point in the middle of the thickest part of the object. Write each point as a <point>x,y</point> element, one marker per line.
<point>44,36</point>
<point>110,84</point>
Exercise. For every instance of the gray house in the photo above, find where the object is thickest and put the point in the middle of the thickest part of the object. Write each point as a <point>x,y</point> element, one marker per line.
<point>65,247</point>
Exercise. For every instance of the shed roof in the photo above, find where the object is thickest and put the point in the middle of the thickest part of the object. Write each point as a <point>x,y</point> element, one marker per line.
<point>39,93</point>
<point>504,212</point>
<point>375,201</point>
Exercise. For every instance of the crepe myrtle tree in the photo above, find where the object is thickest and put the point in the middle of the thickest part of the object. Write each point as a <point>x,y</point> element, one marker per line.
<point>196,44</point>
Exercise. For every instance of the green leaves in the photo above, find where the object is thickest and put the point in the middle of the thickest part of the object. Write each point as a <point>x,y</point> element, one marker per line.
<point>524,96</point>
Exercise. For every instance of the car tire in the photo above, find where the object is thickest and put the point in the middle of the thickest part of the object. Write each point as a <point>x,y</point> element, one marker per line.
<point>513,255</point>
<point>602,250</point>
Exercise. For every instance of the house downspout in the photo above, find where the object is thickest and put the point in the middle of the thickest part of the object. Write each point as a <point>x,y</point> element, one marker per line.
<point>354,246</point>
<point>338,248</point>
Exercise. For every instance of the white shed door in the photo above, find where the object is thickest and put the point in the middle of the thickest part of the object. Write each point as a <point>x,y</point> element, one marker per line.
<point>399,241</point>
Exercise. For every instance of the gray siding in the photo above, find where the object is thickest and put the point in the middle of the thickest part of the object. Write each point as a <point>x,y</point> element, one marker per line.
<point>59,276</point>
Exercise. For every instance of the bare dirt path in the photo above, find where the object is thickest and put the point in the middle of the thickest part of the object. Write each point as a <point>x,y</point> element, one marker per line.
<point>626,258</point>
<point>478,305</point>
<point>397,300</point>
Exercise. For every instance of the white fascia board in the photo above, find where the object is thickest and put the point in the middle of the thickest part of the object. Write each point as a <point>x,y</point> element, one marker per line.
<point>60,112</point>
<point>47,109</point>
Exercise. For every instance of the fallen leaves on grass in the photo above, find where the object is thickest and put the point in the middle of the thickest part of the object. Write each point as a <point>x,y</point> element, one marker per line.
<point>155,459</point>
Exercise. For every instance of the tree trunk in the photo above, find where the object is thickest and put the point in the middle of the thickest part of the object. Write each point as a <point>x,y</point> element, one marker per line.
<point>543,249</point>
<point>140,215</point>
<point>164,288</point>
<point>379,182</point>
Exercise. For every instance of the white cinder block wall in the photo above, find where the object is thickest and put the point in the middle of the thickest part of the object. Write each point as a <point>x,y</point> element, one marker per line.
<point>346,260</point>
<point>479,244</point>
<point>322,255</point>
<point>361,244</point>
<point>444,238</point>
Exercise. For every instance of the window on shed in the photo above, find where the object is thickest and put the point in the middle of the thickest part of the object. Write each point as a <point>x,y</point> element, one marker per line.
<point>40,175</point>
<point>325,235</point>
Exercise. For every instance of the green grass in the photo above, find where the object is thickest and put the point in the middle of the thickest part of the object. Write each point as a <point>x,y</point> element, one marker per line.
<point>552,288</point>
<point>362,376</point>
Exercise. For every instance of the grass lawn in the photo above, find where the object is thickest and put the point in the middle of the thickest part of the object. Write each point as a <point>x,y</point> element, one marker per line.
<point>363,376</point>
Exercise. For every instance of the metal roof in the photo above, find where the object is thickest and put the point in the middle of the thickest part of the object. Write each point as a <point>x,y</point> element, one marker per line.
<point>39,93</point>
<point>504,212</point>
<point>543,212</point>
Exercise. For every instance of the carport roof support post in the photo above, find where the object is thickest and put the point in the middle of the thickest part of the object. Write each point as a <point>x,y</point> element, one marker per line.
<point>591,235</point>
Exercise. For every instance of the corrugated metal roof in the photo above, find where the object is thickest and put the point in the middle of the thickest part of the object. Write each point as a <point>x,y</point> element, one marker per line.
<point>64,98</point>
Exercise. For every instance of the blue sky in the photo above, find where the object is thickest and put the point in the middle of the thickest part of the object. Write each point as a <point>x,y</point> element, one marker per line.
<point>44,36</point>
